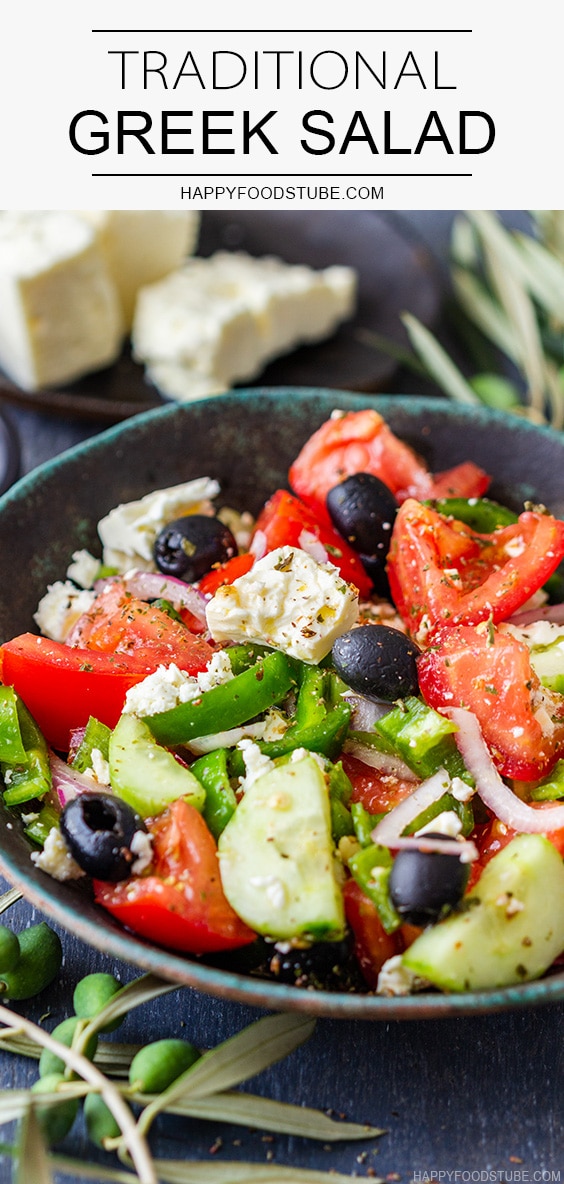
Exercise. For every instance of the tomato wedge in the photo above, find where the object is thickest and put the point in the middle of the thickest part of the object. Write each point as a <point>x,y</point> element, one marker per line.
<point>372,945</point>
<point>361,442</point>
<point>489,672</point>
<point>120,623</point>
<point>225,573</point>
<point>440,571</point>
<point>378,793</point>
<point>180,903</point>
<point>63,685</point>
<point>286,521</point>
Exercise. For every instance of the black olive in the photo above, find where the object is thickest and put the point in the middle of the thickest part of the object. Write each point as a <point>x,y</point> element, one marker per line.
<point>189,547</point>
<point>424,885</point>
<point>98,829</point>
<point>378,662</point>
<point>375,568</point>
<point>363,510</point>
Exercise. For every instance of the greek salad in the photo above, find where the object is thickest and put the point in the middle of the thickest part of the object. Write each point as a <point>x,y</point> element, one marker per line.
<point>323,746</point>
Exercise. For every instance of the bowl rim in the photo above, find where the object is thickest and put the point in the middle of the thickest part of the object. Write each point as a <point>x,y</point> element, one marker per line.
<point>219,982</point>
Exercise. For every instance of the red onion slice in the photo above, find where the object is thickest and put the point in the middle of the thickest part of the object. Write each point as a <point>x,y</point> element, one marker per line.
<point>258,544</point>
<point>150,585</point>
<point>67,782</point>
<point>384,762</point>
<point>365,712</point>
<point>465,849</point>
<point>310,543</point>
<point>492,789</point>
<point>548,612</point>
<point>389,829</point>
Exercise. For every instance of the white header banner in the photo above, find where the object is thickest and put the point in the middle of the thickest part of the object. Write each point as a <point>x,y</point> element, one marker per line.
<point>144,106</point>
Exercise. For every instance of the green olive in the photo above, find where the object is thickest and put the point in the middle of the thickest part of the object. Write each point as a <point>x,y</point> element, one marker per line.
<point>157,1065</point>
<point>49,1062</point>
<point>92,993</point>
<point>9,950</point>
<point>100,1122</point>
<point>55,1120</point>
<point>41,955</point>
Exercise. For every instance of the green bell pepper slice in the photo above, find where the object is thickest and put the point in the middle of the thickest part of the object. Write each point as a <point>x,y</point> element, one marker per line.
<point>220,804</point>
<point>24,755</point>
<point>228,705</point>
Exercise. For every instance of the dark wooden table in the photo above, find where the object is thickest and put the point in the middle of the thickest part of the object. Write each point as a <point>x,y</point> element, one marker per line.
<point>470,1099</point>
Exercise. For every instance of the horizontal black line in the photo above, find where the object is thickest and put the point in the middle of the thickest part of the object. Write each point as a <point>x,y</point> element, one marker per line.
<point>246,31</point>
<point>282,176</point>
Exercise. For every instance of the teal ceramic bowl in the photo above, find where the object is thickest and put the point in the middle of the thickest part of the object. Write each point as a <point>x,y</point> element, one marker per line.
<point>247,440</point>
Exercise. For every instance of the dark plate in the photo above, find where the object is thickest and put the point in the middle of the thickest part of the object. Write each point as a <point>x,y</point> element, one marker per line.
<point>246,440</point>
<point>395,275</point>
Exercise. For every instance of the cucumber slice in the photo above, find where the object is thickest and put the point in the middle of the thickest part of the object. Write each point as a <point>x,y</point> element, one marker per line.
<point>145,774</point>
<point>511,929</point>
<point>276,855</point>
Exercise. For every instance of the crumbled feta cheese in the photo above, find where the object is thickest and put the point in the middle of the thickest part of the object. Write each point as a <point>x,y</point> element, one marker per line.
<point>141,846</point>
<point>446,823</point>
<point>161,691</point>
<point>510,904</point>
<point>275,724</point>
<point>60,607</point>
<point>100,768</point>
<point>287,600</point>
<point>169,686</point>
<point>396,979</point>
<point>218,671</point>
<point>461,790</point>
<point>84,569</point>
<point>274,889</point>
<point>56,859</point>
<point>256,763</point>
<point>515,547</point>
<point>271,727</point>
<point>129,531</point>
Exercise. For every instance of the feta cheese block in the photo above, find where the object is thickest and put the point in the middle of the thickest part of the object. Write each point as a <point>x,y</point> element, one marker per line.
<point>60,315</point>
<point>129,531</point>
<point>287,600</point>
<point>219,321</point>
<point>142,246</point>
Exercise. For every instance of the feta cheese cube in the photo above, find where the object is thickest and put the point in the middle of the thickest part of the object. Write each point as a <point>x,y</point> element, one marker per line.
<point>60,315</point>
<point>288,600</point>
<point>218,321</point>
<point>142,246</point>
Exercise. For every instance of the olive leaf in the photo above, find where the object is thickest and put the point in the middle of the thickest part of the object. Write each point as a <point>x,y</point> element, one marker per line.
<point>266,1114</point>
<point>9,898</point>
<point>438,364</point>
<point>176,1171</point>
<point>32,1162</point>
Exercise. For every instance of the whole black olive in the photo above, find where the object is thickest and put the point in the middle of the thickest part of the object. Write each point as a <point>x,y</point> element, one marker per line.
<point>363,510</point>
<point>189,547</point>
<point>425,884</point>
<point>98,829</point>
<point>378,662</point>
